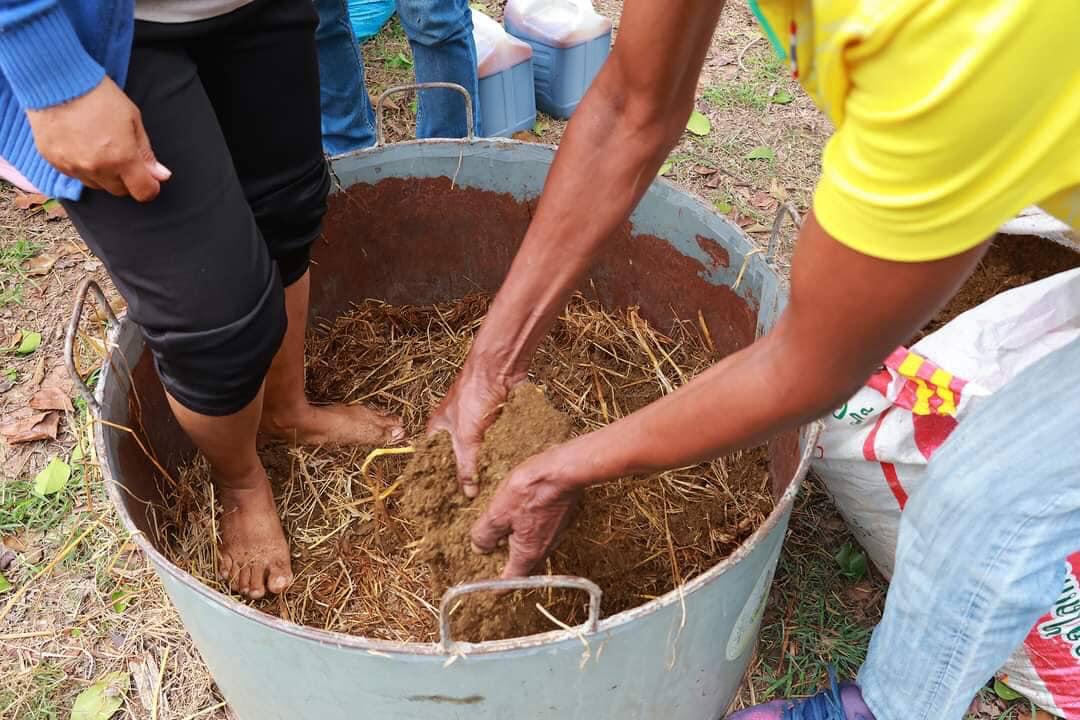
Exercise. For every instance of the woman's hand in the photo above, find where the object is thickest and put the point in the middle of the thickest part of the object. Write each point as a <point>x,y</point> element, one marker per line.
<point>99,139</point>
<point>531,508</point>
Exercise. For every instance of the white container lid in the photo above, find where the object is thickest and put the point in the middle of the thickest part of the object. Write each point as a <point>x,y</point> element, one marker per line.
<point>496,50</point>
<point>560,23</point>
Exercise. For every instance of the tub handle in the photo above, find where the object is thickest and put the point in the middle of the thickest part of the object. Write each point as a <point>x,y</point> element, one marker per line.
<point>785,209</point>
<point>470,128</point>
<point>451,596</point>
<point>87,286</point>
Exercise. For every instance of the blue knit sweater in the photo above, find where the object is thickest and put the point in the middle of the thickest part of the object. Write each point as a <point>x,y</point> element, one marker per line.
<point>52,51</point>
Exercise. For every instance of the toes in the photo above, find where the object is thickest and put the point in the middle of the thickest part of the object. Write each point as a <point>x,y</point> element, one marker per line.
<point>281,578</point>
<point>256,589</point>
<point>225,565</point>
<point>244,579</point>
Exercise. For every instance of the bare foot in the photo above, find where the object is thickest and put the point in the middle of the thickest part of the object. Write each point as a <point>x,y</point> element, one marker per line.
<point>254,553</point>
<point>334,425</point>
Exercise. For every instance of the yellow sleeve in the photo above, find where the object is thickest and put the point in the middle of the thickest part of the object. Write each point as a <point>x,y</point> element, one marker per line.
<point>966,113</point>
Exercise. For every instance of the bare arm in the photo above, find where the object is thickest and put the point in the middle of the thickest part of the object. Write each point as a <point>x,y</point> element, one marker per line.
<point>633,114</point>
<point>847,312</point>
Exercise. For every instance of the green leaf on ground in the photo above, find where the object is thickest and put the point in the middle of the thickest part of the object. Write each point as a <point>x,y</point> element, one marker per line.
<point>120,600</point>
<point>761,152</point>
<point>401,61</point>
<point>5,584</point>
<point>782,97</point>
<point>77,454</point>
<point>665,169</point>
<point>101,700</point>
<point>852,562</point>
<point>698,123</point>
<point>30,343</point>
<point>53,478</point>
<point>1005,692</point>
<point>723,206</point>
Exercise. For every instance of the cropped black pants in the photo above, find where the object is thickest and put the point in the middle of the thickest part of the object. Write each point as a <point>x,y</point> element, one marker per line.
<point>231,106</point>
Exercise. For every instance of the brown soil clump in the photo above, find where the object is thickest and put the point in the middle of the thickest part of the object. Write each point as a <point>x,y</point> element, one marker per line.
<point>373,552</point>
<point>1010,262</point>
<point>432,500</point>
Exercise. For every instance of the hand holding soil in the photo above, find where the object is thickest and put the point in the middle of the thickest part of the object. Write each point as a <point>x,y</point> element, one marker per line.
<point>531,507</point>
<point>466,413</point>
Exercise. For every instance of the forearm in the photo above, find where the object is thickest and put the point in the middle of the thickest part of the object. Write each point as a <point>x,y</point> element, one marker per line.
<point>607,160</point>
<point>634,112</point>
<point>742,401</point>
<point>832,336</point>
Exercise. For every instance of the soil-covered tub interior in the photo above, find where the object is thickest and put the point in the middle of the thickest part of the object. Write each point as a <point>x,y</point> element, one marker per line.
<point>373,552</point>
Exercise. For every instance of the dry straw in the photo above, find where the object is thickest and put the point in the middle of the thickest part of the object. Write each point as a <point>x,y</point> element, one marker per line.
<point>354,558</point>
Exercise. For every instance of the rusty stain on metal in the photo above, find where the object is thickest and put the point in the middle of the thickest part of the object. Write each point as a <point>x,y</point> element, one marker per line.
<point>716,252</point>
<point>420,240</point>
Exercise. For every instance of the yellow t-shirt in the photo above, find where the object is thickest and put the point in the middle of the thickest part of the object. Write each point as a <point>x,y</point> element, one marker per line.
<point>951,115</point>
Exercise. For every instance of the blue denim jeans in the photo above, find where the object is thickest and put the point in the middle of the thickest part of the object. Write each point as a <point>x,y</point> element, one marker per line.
<point>440,33</point>
<point>982,547</point>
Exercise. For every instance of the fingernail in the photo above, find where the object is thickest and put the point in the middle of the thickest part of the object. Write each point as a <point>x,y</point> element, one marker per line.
<point>471,490</point>
<point>163,172</point>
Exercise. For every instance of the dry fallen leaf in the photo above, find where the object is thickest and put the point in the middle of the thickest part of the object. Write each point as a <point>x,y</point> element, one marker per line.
<point>58,377</point>
<point>25,201</point>
<point>54,210</point>
<point>763,200</point>
<point>39,426</point>
<point>40,264</point>
<point>713,181</point>
<point>526,136</point>
<point>51,398</point>
<point>704,170</point>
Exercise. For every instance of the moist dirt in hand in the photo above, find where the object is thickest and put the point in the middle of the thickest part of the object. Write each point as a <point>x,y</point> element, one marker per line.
<point>373,551</point>
<point>432,500</point>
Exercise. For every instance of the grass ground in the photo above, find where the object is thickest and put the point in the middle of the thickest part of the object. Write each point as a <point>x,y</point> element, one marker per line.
<point>99,608</point>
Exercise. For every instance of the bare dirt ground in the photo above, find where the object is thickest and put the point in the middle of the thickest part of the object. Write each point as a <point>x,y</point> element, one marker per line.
<point>77,601</point>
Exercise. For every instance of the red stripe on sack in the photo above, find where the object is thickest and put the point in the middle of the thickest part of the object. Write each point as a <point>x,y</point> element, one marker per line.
<point>880,381</point>
<point>1057,667</point>
<point>887,469</point>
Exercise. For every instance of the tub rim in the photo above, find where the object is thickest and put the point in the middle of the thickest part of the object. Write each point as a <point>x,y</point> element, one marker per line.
<point>124,333</point>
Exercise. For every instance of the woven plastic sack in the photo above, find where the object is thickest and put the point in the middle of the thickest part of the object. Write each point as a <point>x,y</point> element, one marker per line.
<point>874,450</point>
<point>369,16</point>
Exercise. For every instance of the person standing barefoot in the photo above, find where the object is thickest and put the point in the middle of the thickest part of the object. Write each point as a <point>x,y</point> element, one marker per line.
<point>201,185</point>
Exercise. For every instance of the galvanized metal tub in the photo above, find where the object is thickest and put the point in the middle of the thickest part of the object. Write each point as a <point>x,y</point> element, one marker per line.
<point>425,221</point>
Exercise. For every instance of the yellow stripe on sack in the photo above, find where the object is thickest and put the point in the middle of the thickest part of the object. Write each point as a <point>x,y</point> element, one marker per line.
<point>909,368</point>
<point>923,393</point>
<point>943,380</point>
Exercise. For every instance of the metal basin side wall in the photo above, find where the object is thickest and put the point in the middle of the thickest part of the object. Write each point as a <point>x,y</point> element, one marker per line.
<point>675,254</point>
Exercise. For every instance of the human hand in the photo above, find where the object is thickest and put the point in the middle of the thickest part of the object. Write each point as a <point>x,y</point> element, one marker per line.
<point>99,139</point>
<point>531,508</point>
<point>466,413</point>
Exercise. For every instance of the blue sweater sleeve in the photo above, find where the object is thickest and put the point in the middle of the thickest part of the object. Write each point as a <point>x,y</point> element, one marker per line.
<point>41,56</point>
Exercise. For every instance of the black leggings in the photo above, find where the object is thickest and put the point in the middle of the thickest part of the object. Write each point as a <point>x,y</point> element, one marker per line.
<point>231,106</point>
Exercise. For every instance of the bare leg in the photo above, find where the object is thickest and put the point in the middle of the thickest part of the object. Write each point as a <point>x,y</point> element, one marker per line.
<point>287,412</point>
<point>254,552</point>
